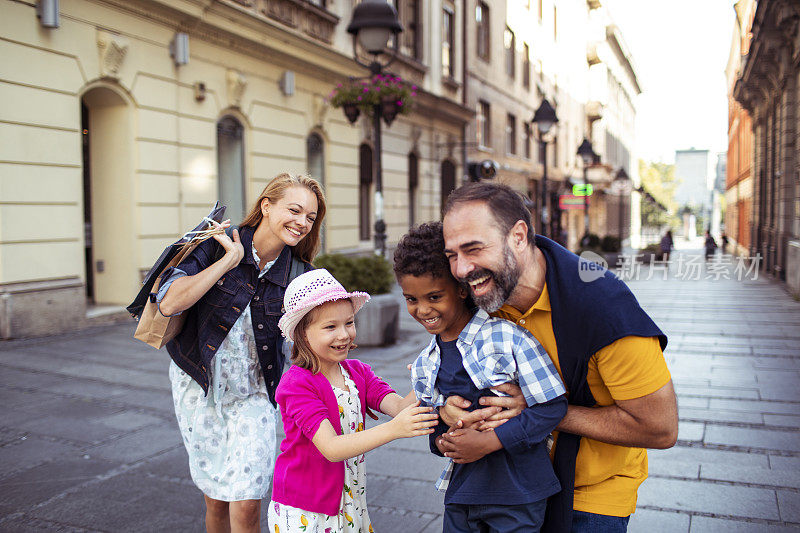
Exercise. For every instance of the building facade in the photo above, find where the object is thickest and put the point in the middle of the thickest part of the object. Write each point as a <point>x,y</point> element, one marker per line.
<point>739,177</point>
<point>768,87</point>
<point>126,120</point>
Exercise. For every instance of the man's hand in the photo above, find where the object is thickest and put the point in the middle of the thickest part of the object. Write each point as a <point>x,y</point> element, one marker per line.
<point>467,445</point>
<point>510,406</point>
<point>454,412</point>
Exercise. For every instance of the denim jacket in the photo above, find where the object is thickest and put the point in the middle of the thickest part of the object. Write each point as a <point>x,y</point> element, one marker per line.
<point>209,320</point>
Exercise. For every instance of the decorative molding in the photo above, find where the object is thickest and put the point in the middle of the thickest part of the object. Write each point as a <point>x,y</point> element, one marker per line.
<point>112,49</point>
<point>321,107</point>
<point>300,15</point>
<point>237,82</point>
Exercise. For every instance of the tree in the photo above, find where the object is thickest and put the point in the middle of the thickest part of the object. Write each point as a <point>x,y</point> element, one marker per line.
<point>658,179</point>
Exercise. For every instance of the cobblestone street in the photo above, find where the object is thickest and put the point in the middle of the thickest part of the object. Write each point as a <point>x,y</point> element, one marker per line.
<point>89,441</point>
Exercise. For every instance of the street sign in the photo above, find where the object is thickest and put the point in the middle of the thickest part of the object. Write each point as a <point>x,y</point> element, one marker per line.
<point>570,201</point>
<point>582,190</point>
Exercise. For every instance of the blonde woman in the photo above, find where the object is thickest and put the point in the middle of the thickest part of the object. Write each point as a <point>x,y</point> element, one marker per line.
<point>227,361</point>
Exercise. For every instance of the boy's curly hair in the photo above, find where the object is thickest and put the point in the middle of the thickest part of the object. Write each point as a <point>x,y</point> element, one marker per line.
<point>421,251</point>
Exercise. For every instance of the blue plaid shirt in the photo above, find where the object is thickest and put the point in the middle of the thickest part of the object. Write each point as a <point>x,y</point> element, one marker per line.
<point>494,352</point>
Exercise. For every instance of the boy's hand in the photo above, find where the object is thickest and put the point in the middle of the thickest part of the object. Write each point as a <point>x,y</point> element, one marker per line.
<point>468,445</point>
<point>454,410</point>
<point>414,421</point>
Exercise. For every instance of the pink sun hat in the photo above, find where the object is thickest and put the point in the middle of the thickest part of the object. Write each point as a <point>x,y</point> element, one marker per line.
<point>309,290</point>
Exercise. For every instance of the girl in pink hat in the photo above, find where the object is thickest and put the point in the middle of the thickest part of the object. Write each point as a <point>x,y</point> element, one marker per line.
<point>319,484</point>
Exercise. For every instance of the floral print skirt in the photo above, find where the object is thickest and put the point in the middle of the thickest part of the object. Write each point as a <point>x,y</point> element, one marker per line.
<point>352,516</point>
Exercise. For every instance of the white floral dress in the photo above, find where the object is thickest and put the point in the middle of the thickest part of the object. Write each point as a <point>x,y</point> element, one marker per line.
<point>353,516</point>
<point>230,433</point>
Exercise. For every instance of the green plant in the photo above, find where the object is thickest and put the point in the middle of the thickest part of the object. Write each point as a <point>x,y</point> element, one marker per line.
<point>610,244</point>
<point>371,274</point>
<point>367,93</point>
<point>590,241</point>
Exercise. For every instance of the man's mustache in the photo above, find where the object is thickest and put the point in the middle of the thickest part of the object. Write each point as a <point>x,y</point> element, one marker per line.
<point>476,274</point>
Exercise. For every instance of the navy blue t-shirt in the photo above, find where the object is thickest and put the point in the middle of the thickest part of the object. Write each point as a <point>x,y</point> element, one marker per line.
<point>504,477</point>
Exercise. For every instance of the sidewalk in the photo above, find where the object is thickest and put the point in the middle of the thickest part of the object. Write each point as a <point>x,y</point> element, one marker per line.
<point>89,441</point>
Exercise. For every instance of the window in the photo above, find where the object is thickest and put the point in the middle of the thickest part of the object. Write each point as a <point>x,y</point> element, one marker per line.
<point>448,180</point>
<point>555,23</point>
<point>230,167</point>
<point>482,25</point>
<point>509,43</point>
<point>448,42</point>
<point>315,160</point>
<point>413,181</point>
<point>408,14</point>
<point>483,124</point>
<point>526,65</point>
<point>364,191</point>
<point>527,142</point>
<point>511,134</point>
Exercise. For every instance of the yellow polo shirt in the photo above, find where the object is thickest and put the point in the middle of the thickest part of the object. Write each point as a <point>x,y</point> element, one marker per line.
<point>607,476</point>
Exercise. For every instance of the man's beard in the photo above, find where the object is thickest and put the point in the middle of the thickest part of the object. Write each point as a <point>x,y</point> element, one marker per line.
<point>505,281</point>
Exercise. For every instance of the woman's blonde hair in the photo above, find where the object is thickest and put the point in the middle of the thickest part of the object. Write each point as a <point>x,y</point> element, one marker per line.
<point>308,247</point>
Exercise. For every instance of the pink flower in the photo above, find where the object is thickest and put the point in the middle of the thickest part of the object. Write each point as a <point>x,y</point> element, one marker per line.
<point>359,98</point>
<point>399,102</point>
<point>277,509</point>
<point>366,90</point>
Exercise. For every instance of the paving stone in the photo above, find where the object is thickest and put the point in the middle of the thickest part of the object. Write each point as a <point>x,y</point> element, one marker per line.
<point>691,431</point>
<point>422,466</point>
<point>648,521</point>
<point>778,462</point>
<point>691,402</point>
<point>665,468</point>
<point>717,392</point>
<point>755,406</point>
<point>782,420</point>
<point>387,520</point>
<point>753,438</point>
<point>713,415</point>
<point>774,477</point>
<point>406,495</point>
<point>127,421</point>
<point>789,505</point>
<point>704,455</point>
<point>136,446</point>
<point>704,524</point>
<point>38,484</point>
<point>709,498</point>
<point>111,505</point>
<point>30,450</point>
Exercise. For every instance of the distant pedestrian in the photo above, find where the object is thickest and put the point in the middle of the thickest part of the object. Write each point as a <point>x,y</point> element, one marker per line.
<point>228,359</point>
<point>666,246</point>
<point>469,347</point>
<point>710,246</point>
<point>320,476</point>
<point>724,239</point>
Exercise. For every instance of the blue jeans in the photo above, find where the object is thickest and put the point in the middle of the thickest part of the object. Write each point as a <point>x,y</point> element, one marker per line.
<point>598,523</point>
<point>526,518</point>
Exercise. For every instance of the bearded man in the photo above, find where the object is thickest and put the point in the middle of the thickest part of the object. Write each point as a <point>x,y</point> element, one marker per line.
<point>607,350</point>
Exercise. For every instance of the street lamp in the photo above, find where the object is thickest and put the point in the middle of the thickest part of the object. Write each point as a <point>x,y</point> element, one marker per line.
<point>588,156</point>
<point>622,185</point>
<point>544,119</point>
<point>373,23</point>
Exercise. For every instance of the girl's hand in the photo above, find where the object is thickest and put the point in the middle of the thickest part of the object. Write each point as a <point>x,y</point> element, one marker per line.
<point>234,251</point>
<point>414,421</point>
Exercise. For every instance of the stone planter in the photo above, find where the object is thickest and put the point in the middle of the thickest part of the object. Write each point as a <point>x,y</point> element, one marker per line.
<point>378,321</point>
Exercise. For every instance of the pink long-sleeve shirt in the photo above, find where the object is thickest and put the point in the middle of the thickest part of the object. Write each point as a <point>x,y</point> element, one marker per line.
<point>303,477</point>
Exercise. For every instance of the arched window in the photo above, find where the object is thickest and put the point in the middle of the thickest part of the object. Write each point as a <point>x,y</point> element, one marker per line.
<point>315,155</point>
<point>230,167</point>
<point>364,191</point>
<point>413,181</point>
<point>448,179</point>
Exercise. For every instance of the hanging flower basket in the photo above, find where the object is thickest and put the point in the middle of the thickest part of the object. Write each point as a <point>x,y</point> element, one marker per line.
<point>391,93</point>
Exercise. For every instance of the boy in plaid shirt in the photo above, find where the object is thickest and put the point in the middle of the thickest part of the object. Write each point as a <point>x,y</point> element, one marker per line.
<point>503,481</point>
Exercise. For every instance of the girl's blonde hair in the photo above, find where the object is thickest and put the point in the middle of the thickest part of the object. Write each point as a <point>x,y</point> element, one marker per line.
<point>308,247</point>
<point>302,354</point>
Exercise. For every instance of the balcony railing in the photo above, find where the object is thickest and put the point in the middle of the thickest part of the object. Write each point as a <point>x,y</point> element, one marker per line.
<point>309,17</point>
